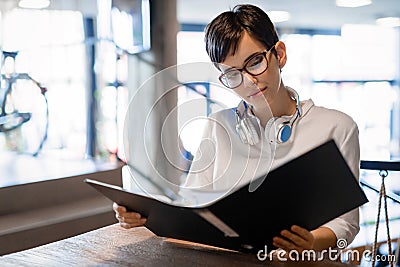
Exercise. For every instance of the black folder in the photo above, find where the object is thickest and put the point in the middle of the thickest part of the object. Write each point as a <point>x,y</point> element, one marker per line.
<point>307,191</point>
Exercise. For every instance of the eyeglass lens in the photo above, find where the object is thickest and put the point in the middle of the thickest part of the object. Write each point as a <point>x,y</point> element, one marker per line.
<point>255,66</point>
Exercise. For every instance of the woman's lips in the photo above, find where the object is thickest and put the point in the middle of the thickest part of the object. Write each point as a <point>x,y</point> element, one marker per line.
<point>258,93</point>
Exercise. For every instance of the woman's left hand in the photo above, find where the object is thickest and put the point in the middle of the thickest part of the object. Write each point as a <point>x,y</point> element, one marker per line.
<point>297,238</point>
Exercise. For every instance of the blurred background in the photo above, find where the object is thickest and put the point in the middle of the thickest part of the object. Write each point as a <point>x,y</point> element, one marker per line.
<point>70,67</point>
<point>342,57</point>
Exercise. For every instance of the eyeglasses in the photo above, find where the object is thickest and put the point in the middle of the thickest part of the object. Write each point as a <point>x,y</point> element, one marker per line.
<point>254,66</point>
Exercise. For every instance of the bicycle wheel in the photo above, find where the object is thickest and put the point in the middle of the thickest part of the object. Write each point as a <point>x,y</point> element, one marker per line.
<point>25,115</point>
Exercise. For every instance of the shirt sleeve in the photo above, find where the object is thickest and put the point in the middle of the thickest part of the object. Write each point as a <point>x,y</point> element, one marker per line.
<point>346,226</point>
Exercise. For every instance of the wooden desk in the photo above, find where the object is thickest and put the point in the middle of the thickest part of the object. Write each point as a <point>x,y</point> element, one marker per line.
<point>115,246</point>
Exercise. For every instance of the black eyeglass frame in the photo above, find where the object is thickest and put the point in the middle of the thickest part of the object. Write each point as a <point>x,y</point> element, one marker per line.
<point>264,53</point>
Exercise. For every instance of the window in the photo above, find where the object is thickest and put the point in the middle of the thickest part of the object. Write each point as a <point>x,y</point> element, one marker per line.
<point>191,49</point>
<point>348,73</point>
<point>52,50</point>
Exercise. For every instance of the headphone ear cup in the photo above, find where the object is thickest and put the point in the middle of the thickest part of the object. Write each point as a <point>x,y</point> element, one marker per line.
<point>280,130</point>
<point>241,133</point>
<point>284,132</point>
<point>251,131</point>
<point>270,130</point>
<point>247,125</point>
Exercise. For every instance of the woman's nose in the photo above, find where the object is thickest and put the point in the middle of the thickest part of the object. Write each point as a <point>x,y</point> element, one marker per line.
<point>249,80</point>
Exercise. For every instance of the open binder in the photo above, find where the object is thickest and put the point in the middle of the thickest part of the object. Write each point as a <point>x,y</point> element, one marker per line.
<point>307,191</point>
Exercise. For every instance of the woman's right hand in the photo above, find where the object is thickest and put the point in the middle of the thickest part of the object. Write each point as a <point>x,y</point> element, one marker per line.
<point>128,219</point>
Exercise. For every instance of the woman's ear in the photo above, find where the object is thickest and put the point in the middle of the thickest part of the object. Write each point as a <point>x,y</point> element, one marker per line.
<point>280,48</point>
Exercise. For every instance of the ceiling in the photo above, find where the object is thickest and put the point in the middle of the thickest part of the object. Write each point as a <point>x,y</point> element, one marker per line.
<point>309,14</point>
<point>87,7</point>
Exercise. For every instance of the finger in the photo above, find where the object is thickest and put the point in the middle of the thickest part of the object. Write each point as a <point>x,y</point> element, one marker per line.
<point>118,208</point>
<point>284,244</point>
<point>131,215</point>
<point>126,225</point>
<point>294,238</point>
<point>119,218</point>
<point>131,225</point>
<point>134,221</point>
<point>277,243</point>
<point>304,233</point>
<point>128,217</point>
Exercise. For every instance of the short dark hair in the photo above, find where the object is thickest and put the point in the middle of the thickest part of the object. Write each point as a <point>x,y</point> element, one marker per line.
<point>223,33</point>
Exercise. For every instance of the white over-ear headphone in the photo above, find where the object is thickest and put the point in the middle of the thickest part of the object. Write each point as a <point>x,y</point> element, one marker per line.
<point>278,129</point>
<point>247,125</point>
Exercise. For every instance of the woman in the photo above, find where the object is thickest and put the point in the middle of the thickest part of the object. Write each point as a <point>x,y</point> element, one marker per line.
<point>244,46</point>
